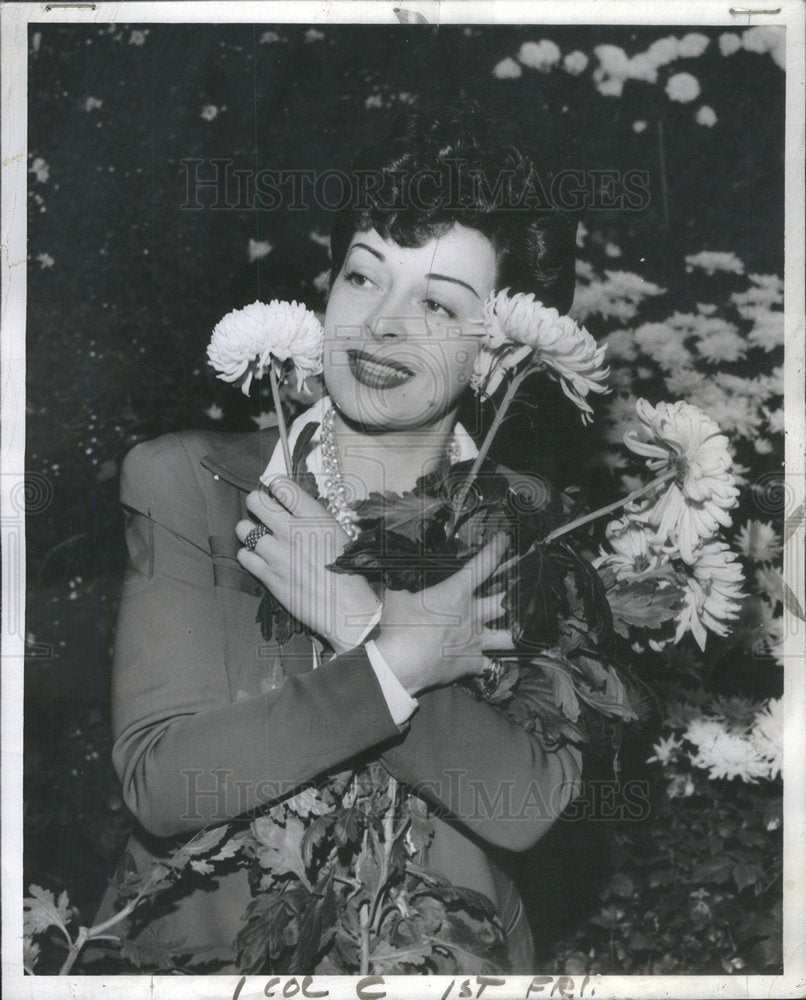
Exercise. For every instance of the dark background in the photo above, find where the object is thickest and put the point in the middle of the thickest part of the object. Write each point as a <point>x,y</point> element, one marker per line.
<point>119,321</point>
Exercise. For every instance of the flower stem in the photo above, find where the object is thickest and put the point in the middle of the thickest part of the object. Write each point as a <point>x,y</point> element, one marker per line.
<point>501,412</point>
<point>278,406</point>
<point>596,514</point>
<point>364,920</point>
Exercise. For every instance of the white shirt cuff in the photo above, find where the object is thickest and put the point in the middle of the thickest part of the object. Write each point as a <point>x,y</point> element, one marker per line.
<point>400,703</point>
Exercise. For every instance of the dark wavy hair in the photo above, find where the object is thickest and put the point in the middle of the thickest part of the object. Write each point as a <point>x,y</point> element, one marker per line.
<point>456,164</point>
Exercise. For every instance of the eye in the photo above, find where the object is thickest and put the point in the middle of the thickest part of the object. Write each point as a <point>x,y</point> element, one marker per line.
<point>437,309</point>
<point>358,280</point>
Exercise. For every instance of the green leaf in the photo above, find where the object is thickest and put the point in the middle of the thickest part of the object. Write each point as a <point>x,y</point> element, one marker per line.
<point>280,850</point>
<point>622,885</point>
<point>148,951</point>
<point>713,870</point>
<point>201,843</point>
<point>387,960</point>
<point>562,687</point>
<point>746,873</point>
<point>642,604</point>
<point>41,910</point>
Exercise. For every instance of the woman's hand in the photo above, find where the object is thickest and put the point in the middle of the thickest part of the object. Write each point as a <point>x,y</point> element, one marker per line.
<point>292,562</point>
<point>434,637</point>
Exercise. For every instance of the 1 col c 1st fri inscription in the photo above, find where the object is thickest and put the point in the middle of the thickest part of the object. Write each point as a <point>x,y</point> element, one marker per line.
<point>377,988</point>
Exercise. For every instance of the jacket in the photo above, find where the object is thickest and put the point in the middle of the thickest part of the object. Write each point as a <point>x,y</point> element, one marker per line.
<point>210,720</point>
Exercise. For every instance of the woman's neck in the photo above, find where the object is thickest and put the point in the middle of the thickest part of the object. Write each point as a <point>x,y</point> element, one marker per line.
<point>390,460</point>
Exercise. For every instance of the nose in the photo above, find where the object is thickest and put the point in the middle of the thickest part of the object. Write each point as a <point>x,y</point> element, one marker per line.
<point>385,327</point>
<point>390,320</point>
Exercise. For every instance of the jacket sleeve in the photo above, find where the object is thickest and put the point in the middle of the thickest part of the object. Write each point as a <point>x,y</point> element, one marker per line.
<point>187,753</point>
<point>479,768</point>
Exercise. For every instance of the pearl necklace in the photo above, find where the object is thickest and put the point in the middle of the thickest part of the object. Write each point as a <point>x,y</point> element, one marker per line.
<point>336,493</point>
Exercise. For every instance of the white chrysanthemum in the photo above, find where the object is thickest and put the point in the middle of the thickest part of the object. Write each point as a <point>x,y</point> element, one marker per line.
<point>715,260</point>
<point>759,541</point>
<point>641,67</point>
<point>613,61</point>
<point>775,420</point>
<point>768,734</point>
<point>540,55</point>
<point>683,381</point>
<point>575,62</point>
<point>617,296</point>
<point>706,116</point>
<point>770,581</point>
<point>721,345</point>
<point>555,342</point>
<point>729,42</point>
<point>663,345</point>
<point>735,712</point>
<point>678,714</point>
<point>712,595</point>
<point>770,640</point>
<point>681,438</point>
<point>768,329</point>
<point>621,344</point>
<point>753,388</point>
<point>735,413</point>
<point>492,364</point>
<point>245,342</point>
<point>682,87</point>
<point>763,38</point>
<point>723,754</point>
<point>663,51</point>
<point>610,86</point>
<point>507,69</point>
<point>633,550</point>
<point>665,750</point>
<point>692,45</point>
<point>765,290</point>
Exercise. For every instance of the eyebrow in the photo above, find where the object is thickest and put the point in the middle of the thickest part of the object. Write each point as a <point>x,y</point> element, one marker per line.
<point>430,275</point>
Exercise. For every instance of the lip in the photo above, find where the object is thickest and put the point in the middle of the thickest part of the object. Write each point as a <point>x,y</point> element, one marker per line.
<point>377,373</point>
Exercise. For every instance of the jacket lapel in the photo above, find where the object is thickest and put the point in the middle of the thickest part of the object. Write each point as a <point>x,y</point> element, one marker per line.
<point>241,462</point>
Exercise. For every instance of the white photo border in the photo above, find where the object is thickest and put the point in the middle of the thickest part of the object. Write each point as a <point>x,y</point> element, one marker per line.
<point>15,19</point>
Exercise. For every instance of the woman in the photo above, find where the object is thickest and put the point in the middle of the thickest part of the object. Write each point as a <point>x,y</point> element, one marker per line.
<point>211,720</point>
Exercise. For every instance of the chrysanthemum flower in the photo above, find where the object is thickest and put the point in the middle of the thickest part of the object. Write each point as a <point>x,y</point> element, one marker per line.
<point>683,440</point>
<point>768,734</point>
<point>555,343</point>
<point>634,550</point>
<point>712,593</point>
<point>245,342</point>
<point>725,755</point>
<point>759,541</point>
<point>665,749</point>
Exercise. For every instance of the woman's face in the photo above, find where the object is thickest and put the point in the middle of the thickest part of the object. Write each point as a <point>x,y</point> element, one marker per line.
<point>402,327</point>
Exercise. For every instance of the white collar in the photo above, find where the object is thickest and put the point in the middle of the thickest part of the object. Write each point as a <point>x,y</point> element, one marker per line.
<point>313,462</point>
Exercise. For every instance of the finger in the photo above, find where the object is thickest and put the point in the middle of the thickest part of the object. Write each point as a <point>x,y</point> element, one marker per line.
<point>265,509</point>
<point>242,529</point>
<point>489,608</point>
<point>485,562</point>
<point>504,568</point>
<point>255,564</point>
<point>289,495</point>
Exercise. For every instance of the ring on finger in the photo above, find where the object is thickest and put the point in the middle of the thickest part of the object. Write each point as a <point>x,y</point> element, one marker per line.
<point>255,535</point>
